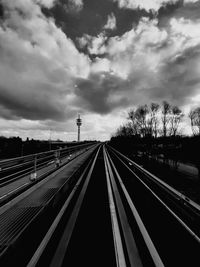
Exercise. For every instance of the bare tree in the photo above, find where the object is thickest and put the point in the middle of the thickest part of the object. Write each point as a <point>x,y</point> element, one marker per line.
<point>133,121</point>
<point>194,116</point>
<point>166,111</point>
<point>125,130</point>
<point>154,122</point>
<point>175,119</point>
<point>140,120</point>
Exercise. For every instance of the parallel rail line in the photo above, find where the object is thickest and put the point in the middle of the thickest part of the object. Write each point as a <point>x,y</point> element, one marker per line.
<point>44,169</point>
<point>179,200</point>
<point>14,169</point>
<point>118,213</point>
<point>45,204</point>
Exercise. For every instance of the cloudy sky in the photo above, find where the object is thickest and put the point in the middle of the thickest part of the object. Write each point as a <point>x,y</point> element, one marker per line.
<point>95,57</point>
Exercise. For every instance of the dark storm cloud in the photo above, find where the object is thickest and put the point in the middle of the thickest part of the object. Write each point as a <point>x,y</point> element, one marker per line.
<point>92,18</point>
<point>177,10</point>
<point>101,93</point>
<point>169,8</point>
<point>39,106</point>
<point>165,13</point>
<point>1,10</point>
<point>179,79</point>
<point>188,11</point>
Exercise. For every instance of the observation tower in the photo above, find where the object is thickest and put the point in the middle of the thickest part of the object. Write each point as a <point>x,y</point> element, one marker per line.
<point>78,123</point>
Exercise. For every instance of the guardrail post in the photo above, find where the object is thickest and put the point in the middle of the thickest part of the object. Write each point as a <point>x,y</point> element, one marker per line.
<point>34,173</point>
<point>69,154</point>
<point>57,158</point>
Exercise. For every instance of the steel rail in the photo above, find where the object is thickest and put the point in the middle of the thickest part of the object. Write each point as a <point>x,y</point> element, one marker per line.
<point>64,242</point>
<point>152,249</point>
<point>133,255</point>
<point>164,185</point>
<point>44,157</point>
<point>12,177</point>
<point>45,152</point>
<point>32,156</point>
<point>26,186</point>
<point>29,168</point>
<point>42,246</point>
<point>8,179</point>
<point>119,251</point>
<point>187,228</point>
<point>26,163</point>
<point>43,207</point>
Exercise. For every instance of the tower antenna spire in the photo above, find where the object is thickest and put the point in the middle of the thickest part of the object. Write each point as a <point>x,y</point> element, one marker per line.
<point>78,123</point>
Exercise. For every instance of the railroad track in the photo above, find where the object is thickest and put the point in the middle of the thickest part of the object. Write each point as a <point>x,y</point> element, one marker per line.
<point>118,214</point>
<point>26,219</point>
<point>16,168</point>
<point>170,218</point>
